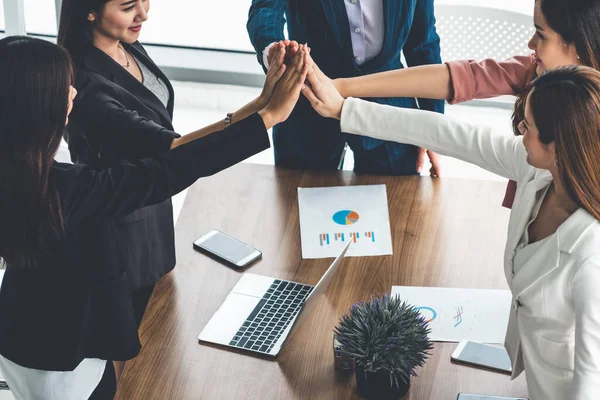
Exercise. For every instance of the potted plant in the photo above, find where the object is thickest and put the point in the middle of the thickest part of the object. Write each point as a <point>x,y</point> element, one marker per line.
<point>388,339</point>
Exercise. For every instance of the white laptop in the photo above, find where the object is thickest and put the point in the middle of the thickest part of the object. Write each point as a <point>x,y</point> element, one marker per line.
<point>259,313</point>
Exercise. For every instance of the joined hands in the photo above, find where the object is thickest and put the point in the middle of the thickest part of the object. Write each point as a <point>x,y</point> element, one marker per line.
<point>284,82</point>
<point>290,64</point>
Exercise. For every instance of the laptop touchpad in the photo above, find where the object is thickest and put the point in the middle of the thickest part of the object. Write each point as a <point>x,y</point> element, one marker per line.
<point>229,318</point>
<point>253,285</point>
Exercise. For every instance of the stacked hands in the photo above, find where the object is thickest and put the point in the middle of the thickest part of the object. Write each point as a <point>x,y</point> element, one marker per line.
<point>289,64</point>
<point>292,71</point>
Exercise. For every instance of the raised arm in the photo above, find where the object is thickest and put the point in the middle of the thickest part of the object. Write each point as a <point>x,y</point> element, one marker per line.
<point>111,127</point>
<point>455,81</point>
<point>502,154</point>
<point>488,78</point>
<point>93,195</point>
<point>266,20</point>
<point>273,75</point>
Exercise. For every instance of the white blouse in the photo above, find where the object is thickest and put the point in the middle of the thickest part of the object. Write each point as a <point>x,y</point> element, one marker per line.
<point>34,384</point>
<point>525,250</point>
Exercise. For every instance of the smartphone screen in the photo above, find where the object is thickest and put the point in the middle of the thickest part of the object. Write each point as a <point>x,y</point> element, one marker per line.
<point>464,396</point>
<point>482,355</point>
<point>227,248</point>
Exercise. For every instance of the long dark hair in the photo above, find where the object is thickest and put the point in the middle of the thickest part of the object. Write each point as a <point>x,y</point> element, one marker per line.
<point>75,30</point>
<point>578,23</point>
<point>565,104</point>
<point>35,78</point>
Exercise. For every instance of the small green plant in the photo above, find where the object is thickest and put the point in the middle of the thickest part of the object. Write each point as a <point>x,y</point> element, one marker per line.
<point>385,333</point>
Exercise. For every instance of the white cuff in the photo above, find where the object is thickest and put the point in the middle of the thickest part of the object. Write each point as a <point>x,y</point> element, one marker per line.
<point>265,53</point>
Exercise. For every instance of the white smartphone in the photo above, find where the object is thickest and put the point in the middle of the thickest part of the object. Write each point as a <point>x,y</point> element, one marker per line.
<point>227,249</point>
<point>464,396</point>
<point>482,355</point>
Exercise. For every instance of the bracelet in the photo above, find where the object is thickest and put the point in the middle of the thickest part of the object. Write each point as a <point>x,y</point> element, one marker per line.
<point>228,119</point>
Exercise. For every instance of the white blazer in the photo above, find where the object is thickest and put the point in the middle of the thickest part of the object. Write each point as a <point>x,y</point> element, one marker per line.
<point>554,328</point>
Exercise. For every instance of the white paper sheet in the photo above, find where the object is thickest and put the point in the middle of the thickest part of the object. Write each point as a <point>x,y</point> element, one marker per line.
<point>461,314</point>
<point>331,216</point>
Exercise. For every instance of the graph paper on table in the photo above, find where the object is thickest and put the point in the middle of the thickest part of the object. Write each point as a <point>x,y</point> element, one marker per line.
<point>330,217</point>
<point>480,315</point>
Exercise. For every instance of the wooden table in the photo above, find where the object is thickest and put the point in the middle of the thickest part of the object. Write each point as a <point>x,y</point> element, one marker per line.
<point>446,232</point>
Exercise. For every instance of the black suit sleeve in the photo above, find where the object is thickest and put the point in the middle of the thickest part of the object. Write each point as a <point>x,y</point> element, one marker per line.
<point>123,131</point>
<point>88,195</point>
<point>423,47</point>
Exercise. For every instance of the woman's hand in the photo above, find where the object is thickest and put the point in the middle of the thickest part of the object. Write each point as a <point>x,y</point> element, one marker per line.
<point>287,91</point>
<point>276,70</point>
<point>322,94</point>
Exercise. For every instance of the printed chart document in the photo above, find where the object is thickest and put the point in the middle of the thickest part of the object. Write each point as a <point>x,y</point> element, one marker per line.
<point>478,315</point>
<point>332,216</point>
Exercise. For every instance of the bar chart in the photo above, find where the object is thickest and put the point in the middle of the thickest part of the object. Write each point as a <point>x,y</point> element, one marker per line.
<point>327,238</point>
<point>330,217</point>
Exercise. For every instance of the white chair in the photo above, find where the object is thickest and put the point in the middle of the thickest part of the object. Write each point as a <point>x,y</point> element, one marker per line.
<point>477,33</point>
<point>468,32</point>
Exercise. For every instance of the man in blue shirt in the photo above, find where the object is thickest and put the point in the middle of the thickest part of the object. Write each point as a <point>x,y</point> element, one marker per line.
<point>348,38</point>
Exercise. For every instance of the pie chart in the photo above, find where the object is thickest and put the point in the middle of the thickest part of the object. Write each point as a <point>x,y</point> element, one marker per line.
<point>345,217</point>
<point>430,314</point>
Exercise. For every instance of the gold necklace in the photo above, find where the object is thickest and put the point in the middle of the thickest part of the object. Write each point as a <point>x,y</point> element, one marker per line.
<point>125,53</point>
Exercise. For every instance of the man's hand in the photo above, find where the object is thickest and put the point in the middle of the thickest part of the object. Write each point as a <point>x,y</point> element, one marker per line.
<point>434,158</point>
<point>290,48</point>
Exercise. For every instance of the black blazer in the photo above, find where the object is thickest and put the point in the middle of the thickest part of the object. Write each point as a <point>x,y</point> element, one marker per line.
<point>54,315</point>
<point>116,119</point>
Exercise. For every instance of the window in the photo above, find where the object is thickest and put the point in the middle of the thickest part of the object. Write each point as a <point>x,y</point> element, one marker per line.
<point>520,6</point>
<point>209,24</point>
<point>40,17</point>
<point>217,25</point>
<point>2,15</point>
<point>222,24</point>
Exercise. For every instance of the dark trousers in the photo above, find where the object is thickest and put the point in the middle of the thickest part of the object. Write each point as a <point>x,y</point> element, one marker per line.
<point>325,150</point>
<point>107,388</point>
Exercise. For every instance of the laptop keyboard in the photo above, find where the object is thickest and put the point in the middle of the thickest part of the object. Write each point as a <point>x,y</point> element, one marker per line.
<point>264,326</point>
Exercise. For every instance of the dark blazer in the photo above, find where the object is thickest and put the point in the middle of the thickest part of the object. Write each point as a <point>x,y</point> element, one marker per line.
<point>116,119</point>
<point>56,314</point>
<point>323,24</point>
